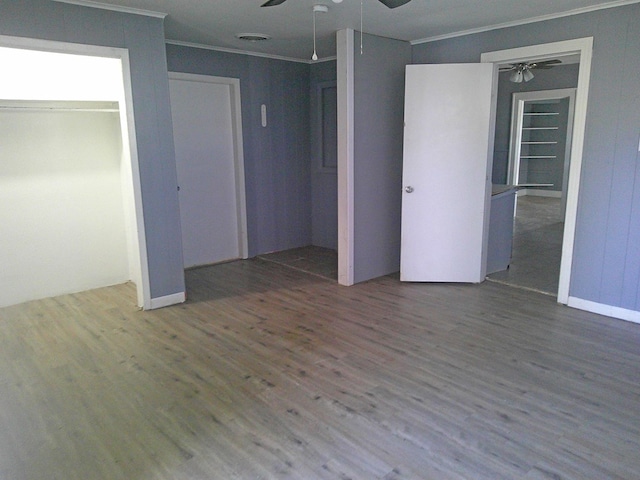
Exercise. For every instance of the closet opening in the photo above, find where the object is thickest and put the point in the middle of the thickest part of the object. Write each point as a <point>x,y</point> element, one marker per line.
<point>70,201</point>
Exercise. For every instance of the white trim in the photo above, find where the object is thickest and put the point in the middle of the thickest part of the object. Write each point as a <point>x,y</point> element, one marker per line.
<point>144,290</point>
<point>238,148</point>
<point>346,150</point>
<point>143,286</point>
<point>167,300</point>
<point>114,8</point>
<point>515,23</point>
<point>247,52</point>
<point>53,46</point>
<point>602,309</point>
<point>583,47</point>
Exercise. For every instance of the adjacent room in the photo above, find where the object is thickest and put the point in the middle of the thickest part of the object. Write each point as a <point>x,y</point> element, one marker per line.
<point>268,248</point>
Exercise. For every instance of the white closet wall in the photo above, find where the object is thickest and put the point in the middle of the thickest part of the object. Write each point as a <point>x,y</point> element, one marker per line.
<point>61,203</point>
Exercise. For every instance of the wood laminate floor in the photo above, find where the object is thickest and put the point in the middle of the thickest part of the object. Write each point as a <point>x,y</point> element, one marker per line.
<point>268,372</point>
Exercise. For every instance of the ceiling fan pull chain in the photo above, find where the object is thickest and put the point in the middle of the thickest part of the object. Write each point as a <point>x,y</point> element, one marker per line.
<point>361,23</point>
<point>315,55</point>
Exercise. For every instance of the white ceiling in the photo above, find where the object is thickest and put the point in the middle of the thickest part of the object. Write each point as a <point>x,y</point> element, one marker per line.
<point>216,22</point>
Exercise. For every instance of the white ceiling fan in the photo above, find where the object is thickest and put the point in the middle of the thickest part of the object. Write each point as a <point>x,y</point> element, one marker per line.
<point>388,3</point>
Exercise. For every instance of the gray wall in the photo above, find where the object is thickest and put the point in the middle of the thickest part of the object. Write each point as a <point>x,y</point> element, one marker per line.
<point>607,251</point>
<point>606,267</point>
<point>324,184</point>
<point>561,76</point>
<point>378,134</point>
<point>277,167</point>
<point>144,38</point>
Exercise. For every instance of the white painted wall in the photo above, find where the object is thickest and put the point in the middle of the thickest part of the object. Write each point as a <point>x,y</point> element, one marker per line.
<point>61,204</point>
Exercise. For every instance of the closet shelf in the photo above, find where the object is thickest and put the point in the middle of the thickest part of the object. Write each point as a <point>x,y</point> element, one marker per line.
<point>529,157</point>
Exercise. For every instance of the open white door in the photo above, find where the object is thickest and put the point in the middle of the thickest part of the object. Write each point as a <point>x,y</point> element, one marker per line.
<point>448,147</point>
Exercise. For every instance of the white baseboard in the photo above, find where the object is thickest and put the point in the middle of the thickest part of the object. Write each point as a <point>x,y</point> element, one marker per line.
<point>602,309</point>
<point>168,300</point>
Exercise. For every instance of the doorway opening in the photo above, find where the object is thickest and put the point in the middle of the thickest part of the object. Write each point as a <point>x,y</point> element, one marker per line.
<point>539,153</point>
<point>583,48</point>
<point>85,87</point>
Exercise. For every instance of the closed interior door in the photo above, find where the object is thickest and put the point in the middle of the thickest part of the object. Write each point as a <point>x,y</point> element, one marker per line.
<point>205,159</point>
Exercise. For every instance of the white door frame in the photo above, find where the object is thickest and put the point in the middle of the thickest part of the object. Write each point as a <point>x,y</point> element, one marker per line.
<point>238,148</point>
<point>584,48</point>
<point>141,264</point>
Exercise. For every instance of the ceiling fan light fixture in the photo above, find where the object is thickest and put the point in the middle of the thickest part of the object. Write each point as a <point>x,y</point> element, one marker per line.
<point>527,75</point>
<point>516,76</point>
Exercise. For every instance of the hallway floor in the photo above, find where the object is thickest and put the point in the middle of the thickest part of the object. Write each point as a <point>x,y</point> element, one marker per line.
<point>537,246</point>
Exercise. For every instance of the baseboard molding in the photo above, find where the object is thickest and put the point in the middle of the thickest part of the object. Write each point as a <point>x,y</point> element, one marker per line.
<point>167,300</point>
<point>602,309</point>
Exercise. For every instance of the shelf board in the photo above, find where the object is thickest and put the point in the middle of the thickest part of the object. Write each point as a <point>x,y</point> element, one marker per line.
<point>539,128</point>
<point>529,157</point>
<point>541,114</point>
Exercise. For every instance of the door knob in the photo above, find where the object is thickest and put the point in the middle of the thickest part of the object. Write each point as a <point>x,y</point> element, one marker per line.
<point>408,189</point>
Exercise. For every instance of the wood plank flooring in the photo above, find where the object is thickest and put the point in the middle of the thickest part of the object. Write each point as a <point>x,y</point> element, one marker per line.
<point>268,372</point>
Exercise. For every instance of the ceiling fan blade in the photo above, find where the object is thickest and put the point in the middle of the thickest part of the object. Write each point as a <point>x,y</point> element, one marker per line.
<point>394,3</point>
<point>545,64</point>
<point>272,3</point>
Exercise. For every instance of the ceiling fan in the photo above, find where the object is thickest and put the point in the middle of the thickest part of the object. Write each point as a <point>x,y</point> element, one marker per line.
<point>388,3</point>
<point>522,71</point>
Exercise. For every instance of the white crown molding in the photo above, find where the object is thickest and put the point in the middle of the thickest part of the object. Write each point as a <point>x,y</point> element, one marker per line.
<point>247,52</point>
<point>577,11</point>
<point>115,8</point>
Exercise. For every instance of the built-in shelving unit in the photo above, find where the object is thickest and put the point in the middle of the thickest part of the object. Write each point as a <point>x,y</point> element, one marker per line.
<point>539,145</point>
<point>538,140</point>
